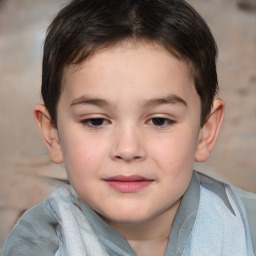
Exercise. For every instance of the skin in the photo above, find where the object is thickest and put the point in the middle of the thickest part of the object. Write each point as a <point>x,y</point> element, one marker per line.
<point>131,110</point>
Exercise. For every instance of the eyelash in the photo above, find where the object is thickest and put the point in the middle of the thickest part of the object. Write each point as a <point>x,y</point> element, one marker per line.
<point>100,122</point>
<point>89,122</point>
<point>166,121</point>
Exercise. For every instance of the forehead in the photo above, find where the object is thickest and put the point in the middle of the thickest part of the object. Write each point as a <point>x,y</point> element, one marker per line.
<point>143,68</point>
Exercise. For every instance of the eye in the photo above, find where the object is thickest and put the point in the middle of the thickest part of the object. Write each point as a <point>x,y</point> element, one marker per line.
<point>95,122</point>
<point>160,121</point>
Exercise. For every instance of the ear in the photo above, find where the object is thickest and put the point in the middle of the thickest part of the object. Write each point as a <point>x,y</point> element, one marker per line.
<point>49,133</point>
<point>210,131</point>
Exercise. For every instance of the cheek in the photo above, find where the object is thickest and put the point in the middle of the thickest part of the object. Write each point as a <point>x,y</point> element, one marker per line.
<point>176,152</point>
<point>176,159</point>
<point>82,157</point>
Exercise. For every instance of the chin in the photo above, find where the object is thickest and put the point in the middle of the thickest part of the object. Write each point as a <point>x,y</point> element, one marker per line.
<point>129,217</point>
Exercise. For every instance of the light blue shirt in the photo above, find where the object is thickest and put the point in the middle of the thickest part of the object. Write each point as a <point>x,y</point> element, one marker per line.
<point>211,220</point>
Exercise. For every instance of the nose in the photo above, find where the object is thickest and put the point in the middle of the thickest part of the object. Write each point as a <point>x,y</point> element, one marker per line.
<point>128,145</point>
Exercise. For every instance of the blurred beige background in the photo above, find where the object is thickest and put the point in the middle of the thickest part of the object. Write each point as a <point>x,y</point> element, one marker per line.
<point>26,173</point>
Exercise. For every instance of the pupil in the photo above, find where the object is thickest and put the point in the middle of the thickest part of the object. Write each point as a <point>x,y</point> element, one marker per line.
<point>97,121</point>
<point>158,121</point>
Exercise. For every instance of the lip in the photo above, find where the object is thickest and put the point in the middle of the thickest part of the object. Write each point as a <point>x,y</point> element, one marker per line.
<point>128,184</point>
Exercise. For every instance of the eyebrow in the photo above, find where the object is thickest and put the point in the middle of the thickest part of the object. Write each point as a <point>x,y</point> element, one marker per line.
<point>170,99</point>
<point>89,101</point>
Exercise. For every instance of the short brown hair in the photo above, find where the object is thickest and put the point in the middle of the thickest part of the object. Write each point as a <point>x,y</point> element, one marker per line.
<point>85,26</point>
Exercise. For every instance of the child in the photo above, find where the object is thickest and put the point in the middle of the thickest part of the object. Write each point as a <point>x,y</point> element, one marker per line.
<point>129,90</point>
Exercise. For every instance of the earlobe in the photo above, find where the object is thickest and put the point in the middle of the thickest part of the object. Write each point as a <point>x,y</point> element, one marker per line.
<point>49,133</point>
<point>210,131</point>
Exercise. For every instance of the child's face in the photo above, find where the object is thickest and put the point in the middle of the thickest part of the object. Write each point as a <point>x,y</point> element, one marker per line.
<point>129,124</point>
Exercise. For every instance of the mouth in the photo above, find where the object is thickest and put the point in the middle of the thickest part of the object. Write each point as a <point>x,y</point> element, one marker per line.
<point>128,184</point>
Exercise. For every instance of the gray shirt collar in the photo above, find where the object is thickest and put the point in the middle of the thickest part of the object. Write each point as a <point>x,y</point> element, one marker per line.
<point>185,218</point>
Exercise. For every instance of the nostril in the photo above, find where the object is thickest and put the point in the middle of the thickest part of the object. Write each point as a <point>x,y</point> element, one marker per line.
<point>127,146</point>
<point>128,158</point>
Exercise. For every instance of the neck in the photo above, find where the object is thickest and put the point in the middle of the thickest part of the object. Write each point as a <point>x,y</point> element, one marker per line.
<point>151,236</point>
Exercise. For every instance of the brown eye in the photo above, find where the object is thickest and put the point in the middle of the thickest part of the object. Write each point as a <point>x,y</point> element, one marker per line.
<point>94,122</point>
<point>159,121</point>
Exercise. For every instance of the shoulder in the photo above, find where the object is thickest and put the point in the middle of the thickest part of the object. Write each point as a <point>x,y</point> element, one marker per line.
<point>244,199</point>
<point>33,234</point>
<point>249,201</point>
<point>220,188</point>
